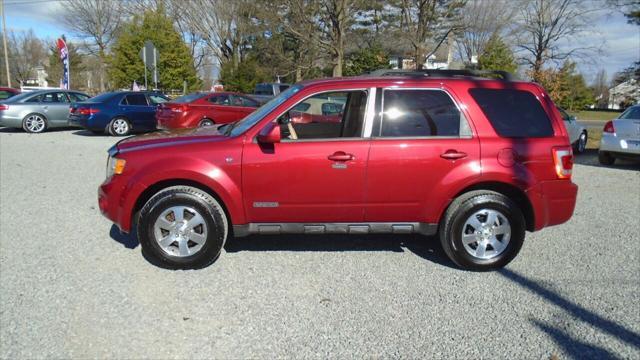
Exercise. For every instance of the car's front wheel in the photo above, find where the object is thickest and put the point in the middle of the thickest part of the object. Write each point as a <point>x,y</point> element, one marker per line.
<point>119,127</point>
<point>482,230</point>
<point>182,227</point>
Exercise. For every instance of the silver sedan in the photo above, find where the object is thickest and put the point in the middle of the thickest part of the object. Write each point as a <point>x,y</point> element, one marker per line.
<point>38,110</point>
<point>621,137</point>
<point>577,133</point>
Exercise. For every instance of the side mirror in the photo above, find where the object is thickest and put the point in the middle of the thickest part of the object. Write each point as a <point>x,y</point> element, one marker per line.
<point>270,134</point>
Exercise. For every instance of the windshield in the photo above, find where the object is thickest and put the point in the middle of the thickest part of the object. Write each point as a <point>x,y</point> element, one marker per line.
<point>251,119</point>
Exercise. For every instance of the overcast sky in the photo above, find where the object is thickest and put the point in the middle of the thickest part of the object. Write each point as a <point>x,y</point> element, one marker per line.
<point>620,41</point>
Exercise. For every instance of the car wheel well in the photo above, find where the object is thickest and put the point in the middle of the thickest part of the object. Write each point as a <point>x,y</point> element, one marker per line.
<point>512,192</point>
<point>150,191</point>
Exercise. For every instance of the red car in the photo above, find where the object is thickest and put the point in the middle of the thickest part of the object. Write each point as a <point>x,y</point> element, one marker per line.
<point>476,162</point>
<point>6,93</point>
<point>204,109</point>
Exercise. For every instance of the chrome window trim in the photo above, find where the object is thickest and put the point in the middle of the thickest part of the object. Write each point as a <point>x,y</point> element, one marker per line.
<point>455,103</point>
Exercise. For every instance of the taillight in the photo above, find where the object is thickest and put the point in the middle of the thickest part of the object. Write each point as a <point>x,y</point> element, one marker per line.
<point>86,111</point>
<point>563,161</point>
<point>179,108</point>
<point>4,107</point>
<point>608,127</point>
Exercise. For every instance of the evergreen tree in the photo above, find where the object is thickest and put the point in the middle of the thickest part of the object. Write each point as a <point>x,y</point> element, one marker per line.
<point>577,94</point>
<point>497,56</point>
<point>243,78</point>
<point>175,63</point>
<point>366,60</point>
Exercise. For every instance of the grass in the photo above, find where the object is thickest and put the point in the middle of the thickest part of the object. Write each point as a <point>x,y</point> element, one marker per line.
<point>595,115</point>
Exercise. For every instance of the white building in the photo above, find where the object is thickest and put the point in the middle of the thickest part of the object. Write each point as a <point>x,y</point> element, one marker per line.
<point>626,92</point>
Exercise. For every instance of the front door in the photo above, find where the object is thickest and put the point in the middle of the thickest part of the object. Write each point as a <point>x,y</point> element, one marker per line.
<point>138,111</point>
<point>421,143</point>
<point>316,173</point>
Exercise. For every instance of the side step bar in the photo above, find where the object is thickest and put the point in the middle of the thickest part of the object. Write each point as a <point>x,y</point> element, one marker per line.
<point>334,228</point>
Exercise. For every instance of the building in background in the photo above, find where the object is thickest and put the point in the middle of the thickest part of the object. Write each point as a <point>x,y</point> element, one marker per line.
<point>624,95</point>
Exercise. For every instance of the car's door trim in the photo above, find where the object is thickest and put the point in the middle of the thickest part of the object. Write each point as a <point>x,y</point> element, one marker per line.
<point>336,228</point>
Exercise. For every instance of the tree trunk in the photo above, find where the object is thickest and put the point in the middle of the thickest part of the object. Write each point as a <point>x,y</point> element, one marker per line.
<point>337,65</point>
<point>298,74</point>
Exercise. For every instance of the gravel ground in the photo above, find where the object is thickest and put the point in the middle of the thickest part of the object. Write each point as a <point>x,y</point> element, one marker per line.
<point>72,287</point>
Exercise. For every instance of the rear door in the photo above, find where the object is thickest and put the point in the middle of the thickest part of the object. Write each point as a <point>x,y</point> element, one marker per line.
<point>421,144</point>
<point>55,106</point>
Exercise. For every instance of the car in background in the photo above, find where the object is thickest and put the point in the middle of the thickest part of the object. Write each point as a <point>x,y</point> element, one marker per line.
<point>204,109</point>
<point>621,137</point>
<point>118,113</point>
<point>38,111</point>
<point>265,91</point>
<point>578,135</point>
<point>6,93</point>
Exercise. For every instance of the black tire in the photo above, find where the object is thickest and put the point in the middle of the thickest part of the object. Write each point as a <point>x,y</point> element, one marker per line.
<point>206,122</point>
<point>581,144</point>
<point>119,126</point>
<point>461,209</point>
<point>212,213</point>
<point>34,118</point>
<point>605,158</point>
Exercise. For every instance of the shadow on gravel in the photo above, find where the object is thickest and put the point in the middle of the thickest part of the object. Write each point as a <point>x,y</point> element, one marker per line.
<point>90,133</point>
<point>575,348</point>
<point>425,247</point>
<point>11,130</point>
<point>590,158</point>
<point>130,241</point>
<point>576,311</point>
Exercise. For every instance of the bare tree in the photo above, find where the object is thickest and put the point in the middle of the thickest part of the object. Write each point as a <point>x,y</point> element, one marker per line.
<point>427,24</point>
<point>96,21</point>
<point>26,53</point>
<point>550,31</point>
<point>601,89</point>
<point>481,20</point>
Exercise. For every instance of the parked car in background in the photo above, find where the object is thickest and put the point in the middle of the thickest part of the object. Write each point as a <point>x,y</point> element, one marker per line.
<point>265,91</point>
<point>38,111</point>
<point>118,113</point>
<point>578,135</point>
<point>6,93</point>
<point>430,155</point>
<point>204,109</point>
<point>621,137</point>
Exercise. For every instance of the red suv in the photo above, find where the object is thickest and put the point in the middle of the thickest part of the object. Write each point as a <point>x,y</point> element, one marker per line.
<point>476,162</point>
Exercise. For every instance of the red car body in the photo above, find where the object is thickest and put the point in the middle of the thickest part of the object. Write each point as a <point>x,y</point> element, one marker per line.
<point>6,92</point>
<point>385,180</point>
<point>204,109</point>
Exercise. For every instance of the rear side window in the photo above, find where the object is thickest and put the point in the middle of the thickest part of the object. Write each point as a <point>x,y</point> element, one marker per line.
<point>418,113</point>
<point>135,99</point>
<point>513,113</point>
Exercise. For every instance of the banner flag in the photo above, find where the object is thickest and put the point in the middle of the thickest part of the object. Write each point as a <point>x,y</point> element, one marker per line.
<point>64,57</point>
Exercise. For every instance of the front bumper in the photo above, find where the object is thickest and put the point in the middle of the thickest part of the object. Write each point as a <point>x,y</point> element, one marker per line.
<point>116,200</point>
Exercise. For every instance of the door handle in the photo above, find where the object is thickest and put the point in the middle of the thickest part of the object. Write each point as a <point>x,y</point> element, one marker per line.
<point>341,156</point>
<point>453,154</point>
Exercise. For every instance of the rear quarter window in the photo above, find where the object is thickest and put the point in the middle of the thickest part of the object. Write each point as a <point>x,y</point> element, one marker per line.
<point>513,113</point>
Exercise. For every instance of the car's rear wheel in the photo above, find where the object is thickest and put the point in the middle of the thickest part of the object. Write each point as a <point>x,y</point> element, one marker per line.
<point>182,227</point>
<point>119,127</point>
<point>34,123</point>
<point>206,122</point>
<point>605,158</point>
<point>482,230</point>
<point>581,144</point>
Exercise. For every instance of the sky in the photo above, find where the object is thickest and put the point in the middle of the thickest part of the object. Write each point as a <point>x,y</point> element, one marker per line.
<point>619,41</point>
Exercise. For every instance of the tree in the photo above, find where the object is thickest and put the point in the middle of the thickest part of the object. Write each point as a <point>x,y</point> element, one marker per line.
<point>481,21</point>
<point>366,60</point>
<point>26,53</point>
<point>426,24</point>
<point>577,94</point>
<point>547,26</point>
<point>96,21</point>
<point>630,9</point>
<point>600,89</point>
<point>54,68</point>
<point>242,78</point>
<point>174,63</point>
<point>497,56</point>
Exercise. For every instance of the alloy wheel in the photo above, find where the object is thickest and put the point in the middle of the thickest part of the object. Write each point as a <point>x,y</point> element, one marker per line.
<point>180,231</point>
<point>120,126</point>
<point>35,123</point>
<point>486,234</point>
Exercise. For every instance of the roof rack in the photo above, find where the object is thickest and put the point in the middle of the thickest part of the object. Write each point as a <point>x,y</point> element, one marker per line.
<point>493,74</point>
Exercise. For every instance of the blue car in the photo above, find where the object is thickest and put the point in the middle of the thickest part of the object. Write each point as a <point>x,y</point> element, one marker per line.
<point>117,113</point>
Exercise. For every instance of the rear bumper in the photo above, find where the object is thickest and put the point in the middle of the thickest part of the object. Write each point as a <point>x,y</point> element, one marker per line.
<point>553,202</point>
<point>10,121</point>
<point>87,122</point>
<point>617,144</point>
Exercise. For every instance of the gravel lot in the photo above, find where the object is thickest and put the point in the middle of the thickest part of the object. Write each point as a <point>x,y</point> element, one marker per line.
<point>72,287</point>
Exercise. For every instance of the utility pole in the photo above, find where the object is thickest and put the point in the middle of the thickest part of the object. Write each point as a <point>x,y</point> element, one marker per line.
<point>4,40</point>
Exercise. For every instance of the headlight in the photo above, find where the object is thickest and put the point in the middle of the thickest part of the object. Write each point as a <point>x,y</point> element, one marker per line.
<point>115,166</point>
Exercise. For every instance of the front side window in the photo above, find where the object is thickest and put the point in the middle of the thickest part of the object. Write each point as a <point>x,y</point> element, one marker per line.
<point>55,97</point>
<point>420,113</point>
<point>237,100</point>
<point>221,99</point>
<point>136,100</point>
<point>326,116</point>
